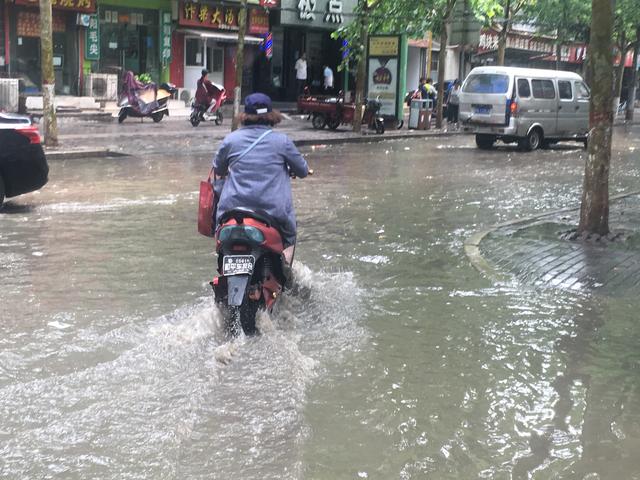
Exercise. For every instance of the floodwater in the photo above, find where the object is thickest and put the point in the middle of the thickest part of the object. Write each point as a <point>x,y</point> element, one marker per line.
<point>395,360</point>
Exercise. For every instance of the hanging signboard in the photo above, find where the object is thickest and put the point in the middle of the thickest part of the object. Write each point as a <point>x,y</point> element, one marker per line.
<point>383,72</point>
<point>92,39</point>
<point>165,37</point>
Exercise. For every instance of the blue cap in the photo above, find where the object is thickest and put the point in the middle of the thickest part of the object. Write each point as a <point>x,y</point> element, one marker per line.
<point>257,104</point>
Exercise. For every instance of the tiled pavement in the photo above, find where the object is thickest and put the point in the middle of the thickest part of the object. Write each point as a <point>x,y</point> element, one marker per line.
<point>534,253</point>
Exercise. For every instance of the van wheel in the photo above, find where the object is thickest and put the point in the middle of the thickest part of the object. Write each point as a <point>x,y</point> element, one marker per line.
<point>485,142</point>
<point>533,141</point>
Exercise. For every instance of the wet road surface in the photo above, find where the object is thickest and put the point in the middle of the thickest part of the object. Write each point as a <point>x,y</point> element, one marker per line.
<point>395,360</point>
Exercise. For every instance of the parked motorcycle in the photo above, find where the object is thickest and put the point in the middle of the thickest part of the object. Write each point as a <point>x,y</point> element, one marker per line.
<point>202,113</point>
<point>251,267</point>
<point>141,100</point>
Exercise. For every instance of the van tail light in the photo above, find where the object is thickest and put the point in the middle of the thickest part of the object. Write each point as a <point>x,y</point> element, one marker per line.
<point>31,132</point>
<point>513,108</point>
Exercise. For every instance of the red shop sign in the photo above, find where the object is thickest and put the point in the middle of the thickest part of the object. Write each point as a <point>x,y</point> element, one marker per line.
<point>85,6</point>
<point>270,3</point>
<point>258,21</point>
<point>208,16</point>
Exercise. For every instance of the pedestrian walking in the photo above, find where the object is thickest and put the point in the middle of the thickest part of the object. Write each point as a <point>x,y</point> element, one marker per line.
<point>453,106</point>
<point>328,79</point>
<point>301,73</point>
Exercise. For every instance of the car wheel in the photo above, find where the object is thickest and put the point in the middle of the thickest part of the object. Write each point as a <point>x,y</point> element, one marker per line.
<point>485,142</point>
<point>318,121</point>
<point>1,191</point>
<point>533,141</point>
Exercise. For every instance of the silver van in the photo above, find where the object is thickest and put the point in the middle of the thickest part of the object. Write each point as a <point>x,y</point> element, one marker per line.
<point>534,108</point>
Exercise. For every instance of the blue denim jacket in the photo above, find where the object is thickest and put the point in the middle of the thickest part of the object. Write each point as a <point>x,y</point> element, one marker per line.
<point>260,179</point>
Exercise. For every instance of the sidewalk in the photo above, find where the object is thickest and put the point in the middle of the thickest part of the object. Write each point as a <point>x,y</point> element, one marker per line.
<point>532,251</point>
<point>135,137</point>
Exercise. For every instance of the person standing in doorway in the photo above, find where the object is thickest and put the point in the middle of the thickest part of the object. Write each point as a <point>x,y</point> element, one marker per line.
<point>301,73</point>
<point>328,79</point>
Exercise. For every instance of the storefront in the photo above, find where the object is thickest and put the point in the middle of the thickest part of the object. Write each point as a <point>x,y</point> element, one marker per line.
<point>305,26</point>
<point>4,38</point>
<point>130,36</point>
<point>23,31</point>
<point>207,37</point>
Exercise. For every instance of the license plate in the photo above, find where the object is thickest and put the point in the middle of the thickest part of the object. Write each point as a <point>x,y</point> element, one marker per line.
<point>483,110</point>
<point>238,265</point>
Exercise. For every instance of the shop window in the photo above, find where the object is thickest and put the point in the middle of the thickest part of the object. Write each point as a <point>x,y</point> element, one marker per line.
<point>216,60</point>
<point>193,53</point>
<point>434,63</point>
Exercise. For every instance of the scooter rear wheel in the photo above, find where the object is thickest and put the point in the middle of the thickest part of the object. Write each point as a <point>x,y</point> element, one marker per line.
<point>157,117</point>
<point>243,317</point>
<point>122,115</point>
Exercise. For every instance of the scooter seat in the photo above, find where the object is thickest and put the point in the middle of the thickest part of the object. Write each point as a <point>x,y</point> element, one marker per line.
<point>260,215</point>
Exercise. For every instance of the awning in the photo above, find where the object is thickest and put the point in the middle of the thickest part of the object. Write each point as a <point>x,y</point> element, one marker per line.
<point>220,36</point>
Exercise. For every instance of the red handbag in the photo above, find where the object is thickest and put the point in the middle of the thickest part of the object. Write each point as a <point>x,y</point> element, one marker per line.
<point>206,207</point>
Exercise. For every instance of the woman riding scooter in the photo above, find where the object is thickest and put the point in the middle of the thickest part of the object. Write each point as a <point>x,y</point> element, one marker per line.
<point>257,163</point>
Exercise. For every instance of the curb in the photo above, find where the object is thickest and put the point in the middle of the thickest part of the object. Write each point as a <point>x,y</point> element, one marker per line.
<point>89,153</point>
<point>472,244</point>
<point>369,138</point>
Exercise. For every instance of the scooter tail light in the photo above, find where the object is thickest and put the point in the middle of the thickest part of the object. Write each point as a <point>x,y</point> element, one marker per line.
<point>31,132</point>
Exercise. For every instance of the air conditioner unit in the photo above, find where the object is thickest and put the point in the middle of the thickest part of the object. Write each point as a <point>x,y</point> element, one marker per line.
<point>101,86</point>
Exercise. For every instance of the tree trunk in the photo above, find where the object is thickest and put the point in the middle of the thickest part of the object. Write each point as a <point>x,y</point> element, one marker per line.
<point>361,74</point>
<point>442,56</point>
<point>502,37</point>
<point>237,90</point>
<point>50,123</point>
<point>631,98</point>
<point>594,211</point>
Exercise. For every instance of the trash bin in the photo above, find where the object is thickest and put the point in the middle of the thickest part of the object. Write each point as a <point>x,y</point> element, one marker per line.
<point>419,107</point>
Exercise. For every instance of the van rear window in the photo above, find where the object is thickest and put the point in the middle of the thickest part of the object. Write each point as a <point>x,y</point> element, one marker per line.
<point>486,83</point>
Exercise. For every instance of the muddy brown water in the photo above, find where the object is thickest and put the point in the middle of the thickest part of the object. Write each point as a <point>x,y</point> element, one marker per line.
<point>395,360</point>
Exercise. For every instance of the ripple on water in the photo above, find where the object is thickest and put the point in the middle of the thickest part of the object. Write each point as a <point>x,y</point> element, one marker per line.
<point>163,406</point>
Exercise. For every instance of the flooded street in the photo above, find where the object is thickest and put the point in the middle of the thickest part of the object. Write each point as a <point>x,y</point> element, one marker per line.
<point>396,359</point>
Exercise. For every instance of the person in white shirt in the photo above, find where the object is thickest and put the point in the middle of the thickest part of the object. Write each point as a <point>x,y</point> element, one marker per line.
<point>301,72</point>
<point>328,79</point>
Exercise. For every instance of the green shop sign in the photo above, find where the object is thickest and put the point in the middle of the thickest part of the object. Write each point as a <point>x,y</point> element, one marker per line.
<point>92,39</point>
<point>165,37</point>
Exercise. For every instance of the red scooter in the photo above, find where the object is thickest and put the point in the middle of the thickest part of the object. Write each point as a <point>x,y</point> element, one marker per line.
<point>251,267</point>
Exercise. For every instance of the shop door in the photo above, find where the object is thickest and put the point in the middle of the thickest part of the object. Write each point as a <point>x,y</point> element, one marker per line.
<point>193,61</point>
<point>199,55</point>
<point>215,64</point>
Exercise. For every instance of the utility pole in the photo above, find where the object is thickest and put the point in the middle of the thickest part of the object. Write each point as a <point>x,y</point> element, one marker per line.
<point>237,91</point>
<point>48,77</point>
<point>594,210</point>
<point>362,68</point>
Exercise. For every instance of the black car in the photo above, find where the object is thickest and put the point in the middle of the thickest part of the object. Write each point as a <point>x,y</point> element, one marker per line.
<point>23,165</point>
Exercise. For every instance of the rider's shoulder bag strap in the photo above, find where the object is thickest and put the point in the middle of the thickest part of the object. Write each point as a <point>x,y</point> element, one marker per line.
<point>255,142</point>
